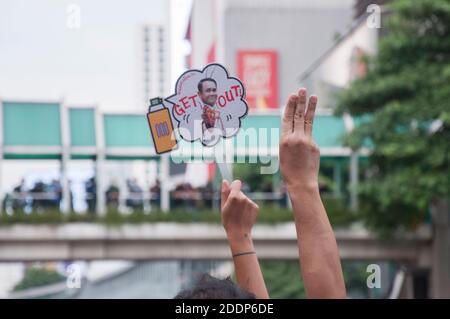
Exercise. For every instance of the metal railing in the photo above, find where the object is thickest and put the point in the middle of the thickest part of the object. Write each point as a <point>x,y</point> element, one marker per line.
<point>28,201</point>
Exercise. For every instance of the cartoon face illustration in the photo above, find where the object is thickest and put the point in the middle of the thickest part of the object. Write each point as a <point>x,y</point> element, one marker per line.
<point>207,105</point>
<point>207,91</point>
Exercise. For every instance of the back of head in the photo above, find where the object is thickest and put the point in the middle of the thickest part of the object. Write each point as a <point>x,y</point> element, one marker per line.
<point>208,287</point>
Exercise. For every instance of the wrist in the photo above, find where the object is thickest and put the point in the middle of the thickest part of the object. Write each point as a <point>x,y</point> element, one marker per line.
<point>307,206</point>
<point>309,189</point>
<point>240,242</point>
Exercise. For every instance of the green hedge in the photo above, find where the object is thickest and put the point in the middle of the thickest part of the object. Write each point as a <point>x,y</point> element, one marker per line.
<point>269,214</point>
<point>36,277</point>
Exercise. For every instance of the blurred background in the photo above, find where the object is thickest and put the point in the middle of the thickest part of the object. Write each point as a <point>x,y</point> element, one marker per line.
<point>89,210</point>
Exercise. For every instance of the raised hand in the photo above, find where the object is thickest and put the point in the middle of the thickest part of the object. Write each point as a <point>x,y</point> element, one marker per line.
<point>299,155</point>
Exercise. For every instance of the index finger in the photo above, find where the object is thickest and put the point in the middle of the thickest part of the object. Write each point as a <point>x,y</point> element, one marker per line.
<point>225,192</point>
<point>288,118</point>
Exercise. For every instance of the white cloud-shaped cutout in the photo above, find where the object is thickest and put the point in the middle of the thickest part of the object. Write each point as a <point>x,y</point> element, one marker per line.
<point>187,107</point>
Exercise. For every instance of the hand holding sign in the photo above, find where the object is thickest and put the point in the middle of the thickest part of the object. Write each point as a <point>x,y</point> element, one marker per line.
<point>207,105</point>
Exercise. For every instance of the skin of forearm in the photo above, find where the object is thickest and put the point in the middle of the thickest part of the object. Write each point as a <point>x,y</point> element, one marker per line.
<point>319,257</point>
<point>248,272</point>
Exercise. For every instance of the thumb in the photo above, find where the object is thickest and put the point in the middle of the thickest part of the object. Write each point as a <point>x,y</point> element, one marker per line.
<point>236,187</point>
<point>225,192</point>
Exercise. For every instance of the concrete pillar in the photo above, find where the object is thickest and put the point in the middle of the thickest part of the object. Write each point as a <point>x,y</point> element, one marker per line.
<point>146,191</point>
<point>215,190</point>
<point>354,165</point>
<point>65,157</point>
<point>100,185</point>
<point>65,201</point>
<point>100,162</point>
<point>397,284</point>
<point>354,180</point>
<point>123,189</point>
<point>219,7</point>
<point>276,178</point>
<point>165,183</point>
<point>337,176</point>
<point>440,263</point>
<point>408,292</point>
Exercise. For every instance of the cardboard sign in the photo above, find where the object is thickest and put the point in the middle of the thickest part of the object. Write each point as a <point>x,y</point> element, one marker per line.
<point>207,105</point>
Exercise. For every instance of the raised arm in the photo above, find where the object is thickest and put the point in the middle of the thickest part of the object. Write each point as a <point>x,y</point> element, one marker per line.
<point>299,161</point>
<point>238,217</point>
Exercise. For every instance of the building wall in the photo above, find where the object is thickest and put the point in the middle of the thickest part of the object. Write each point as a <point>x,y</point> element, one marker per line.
<point>204,29</point>
<point>299,34</point>
<point>154,59</point>
<point>299,30</point>
<point>336,69</point>
<point>342,64</point>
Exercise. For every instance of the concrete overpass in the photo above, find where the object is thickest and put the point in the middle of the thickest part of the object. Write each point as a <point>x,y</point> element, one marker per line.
<point>166,241</point>
<point>416,253</point>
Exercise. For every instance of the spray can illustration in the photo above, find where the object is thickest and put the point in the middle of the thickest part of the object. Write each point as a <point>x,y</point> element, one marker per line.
<point>161,126</point>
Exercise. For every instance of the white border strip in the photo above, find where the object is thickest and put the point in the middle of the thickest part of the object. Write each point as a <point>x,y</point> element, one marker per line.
<point>83,150</point>
<point>30,150</point>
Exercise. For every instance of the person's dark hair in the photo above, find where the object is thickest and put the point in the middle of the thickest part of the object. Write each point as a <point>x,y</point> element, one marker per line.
<point>200,84</point>
<point>208,287</point>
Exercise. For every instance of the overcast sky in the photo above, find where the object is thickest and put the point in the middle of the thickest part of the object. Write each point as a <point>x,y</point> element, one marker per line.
<point>42,58</point>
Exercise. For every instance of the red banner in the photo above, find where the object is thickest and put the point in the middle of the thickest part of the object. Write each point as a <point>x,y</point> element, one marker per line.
<point>258,70</point>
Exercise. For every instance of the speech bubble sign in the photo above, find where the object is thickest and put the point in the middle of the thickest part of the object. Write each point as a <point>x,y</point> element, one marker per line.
<point>207,105</point>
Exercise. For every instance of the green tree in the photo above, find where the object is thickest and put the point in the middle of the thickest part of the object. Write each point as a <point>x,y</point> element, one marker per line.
<point>251,175</point>
<point>283,279</point>
<point>404,106</point>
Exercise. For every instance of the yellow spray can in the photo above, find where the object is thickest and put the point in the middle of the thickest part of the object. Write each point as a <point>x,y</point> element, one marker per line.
<point>161,126</point>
